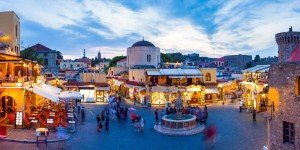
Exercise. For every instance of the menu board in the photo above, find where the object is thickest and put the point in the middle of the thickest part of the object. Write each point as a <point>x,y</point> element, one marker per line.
<point>19,118</point>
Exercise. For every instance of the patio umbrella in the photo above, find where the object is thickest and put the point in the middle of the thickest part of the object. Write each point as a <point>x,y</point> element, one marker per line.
<point>70,95</point>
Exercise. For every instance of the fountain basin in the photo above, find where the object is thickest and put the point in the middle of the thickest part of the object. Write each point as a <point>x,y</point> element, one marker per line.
<point>171,122</point>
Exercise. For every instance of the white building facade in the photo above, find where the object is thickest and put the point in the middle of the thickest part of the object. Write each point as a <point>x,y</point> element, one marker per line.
<point>72,65</point>
<point>143,53</point>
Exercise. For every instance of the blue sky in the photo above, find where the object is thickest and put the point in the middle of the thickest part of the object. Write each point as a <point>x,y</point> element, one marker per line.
<point>212,28</point>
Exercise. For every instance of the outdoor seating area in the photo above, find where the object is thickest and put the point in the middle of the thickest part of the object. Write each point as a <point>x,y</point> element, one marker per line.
<point>48,115</point>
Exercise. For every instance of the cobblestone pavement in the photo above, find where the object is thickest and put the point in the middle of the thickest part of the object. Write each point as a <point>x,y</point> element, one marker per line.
<point>236,131</point>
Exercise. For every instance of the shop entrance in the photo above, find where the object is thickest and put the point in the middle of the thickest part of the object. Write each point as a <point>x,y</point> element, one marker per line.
<point>7,105</point>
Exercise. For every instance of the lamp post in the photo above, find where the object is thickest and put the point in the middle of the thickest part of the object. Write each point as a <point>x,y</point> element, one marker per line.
<point>272,108</point>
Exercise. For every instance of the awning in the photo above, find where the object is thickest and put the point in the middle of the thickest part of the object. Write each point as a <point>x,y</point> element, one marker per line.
<point>102,88</point>
<point>118,83</point>
<point>141,89</point>
<point>132,86</point>
<point>153,73</point>
<point>194,76</point>
<point>211,90</point>
<point>177,77</point>
<point>42,92</point>
<point>51,88</point>
<point>193,89</point>
<point>70,95</point>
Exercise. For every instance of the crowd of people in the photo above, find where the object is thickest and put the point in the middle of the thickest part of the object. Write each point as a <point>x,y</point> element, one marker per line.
<point>112,111</point>
<point>201,115</point>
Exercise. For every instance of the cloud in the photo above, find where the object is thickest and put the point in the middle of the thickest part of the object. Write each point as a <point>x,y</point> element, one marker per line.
<point>233,27</point>
<point>250,26</point>
<point>51,14</point>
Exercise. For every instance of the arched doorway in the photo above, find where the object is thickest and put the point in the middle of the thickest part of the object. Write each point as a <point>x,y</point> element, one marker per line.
<point>249,98</point>
<point>7,105</point>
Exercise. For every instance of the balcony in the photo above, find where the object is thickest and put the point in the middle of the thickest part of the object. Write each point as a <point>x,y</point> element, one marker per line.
<point>18,82</point>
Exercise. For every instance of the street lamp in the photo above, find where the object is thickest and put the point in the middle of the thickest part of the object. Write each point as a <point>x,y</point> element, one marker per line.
<point>272,108</point>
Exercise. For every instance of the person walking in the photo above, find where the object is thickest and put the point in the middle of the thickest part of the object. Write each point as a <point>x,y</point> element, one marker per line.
<point>205,108</point>
<point>142,122</point>
<point>241,104</point>
<point>134,101</point>
<point>254,114</point>
<point>162,114</point>
<point>107,122</point>
<point>82,115</point>
<point>156,116</point>
<point>99,124</point>
<point>78,106</point>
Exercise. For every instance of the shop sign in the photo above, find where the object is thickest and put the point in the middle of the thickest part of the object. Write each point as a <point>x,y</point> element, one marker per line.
<point>19,118</point>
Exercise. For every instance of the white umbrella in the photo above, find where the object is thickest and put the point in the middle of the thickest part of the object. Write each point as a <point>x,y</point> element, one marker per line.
<point>70,95</point>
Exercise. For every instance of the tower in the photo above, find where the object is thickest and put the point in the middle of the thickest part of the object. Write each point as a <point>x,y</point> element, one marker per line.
<point>287,42</point>
<point>84,54</point>
<point>99,55</point>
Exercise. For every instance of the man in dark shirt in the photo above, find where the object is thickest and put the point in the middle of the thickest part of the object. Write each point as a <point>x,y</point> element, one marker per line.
<point>156,116</point>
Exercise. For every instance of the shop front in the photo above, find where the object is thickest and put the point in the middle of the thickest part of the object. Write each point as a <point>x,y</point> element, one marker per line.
<point>211,95</point>
<point>102,94</point>
<point>88,93</point>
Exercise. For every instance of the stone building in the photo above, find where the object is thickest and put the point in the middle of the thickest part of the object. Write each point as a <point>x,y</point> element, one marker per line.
<point>50,58</point>
<point>284,95</point>
<point>287,42</point>
<point>10,29</point>
<point>236,63</point>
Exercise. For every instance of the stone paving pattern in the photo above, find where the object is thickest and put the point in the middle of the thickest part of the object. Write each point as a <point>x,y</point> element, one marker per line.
<point>236,131</point>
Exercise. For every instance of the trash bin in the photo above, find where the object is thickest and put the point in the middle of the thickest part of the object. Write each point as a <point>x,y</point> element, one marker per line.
<point>3,133</point>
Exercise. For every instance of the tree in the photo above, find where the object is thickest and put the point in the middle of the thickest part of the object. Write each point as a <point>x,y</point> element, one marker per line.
<point>257,58</point>
<point>166,57</point>
<point>29,53</point>
<point>113,62</point>
<point>59,55</point>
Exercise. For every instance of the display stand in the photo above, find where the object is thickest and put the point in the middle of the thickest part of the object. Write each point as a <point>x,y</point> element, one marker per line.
<point>41,133</point>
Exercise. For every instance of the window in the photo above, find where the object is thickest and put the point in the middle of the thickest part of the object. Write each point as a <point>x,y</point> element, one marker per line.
<point>46,62</point>
<point>288,133</point>
<point>148,58</point>
<point>207,77</point>
<point>45,54</point>
<point>16,31</point>
<point>298,85</point>
<point>78,65</point>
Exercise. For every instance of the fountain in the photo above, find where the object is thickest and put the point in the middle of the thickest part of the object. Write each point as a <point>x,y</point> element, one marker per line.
<point>179,124</point>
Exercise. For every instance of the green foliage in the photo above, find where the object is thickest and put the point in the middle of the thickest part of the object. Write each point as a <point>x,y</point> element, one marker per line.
<point>31,54</point>
<point>59,55</point>
<point>166,57</point>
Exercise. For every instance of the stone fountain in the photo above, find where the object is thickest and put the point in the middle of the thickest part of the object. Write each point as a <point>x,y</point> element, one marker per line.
<point>179,123</point>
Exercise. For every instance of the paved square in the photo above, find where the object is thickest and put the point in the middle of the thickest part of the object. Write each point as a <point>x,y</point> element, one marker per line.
<point>236,131</point>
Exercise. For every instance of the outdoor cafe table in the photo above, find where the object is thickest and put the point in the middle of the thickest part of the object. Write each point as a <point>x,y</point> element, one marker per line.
<point>52,114</point>
<point>70,115</point>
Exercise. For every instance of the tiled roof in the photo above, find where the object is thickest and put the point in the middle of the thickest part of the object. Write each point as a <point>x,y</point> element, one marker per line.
<point>123,60</point>
<point>135,83</point>
<point>99,84</point>
<point>220,59</point>
<point>39,46</point>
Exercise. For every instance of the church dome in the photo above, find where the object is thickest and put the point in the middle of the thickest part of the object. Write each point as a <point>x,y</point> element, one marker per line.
<point>295,55</point>
<point>143,43</point>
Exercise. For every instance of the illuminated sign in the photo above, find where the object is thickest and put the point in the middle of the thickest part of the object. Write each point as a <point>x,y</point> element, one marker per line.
<point>19,118</point>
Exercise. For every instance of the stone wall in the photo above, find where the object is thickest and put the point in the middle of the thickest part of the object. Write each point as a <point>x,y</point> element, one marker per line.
<point>282,91</point>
